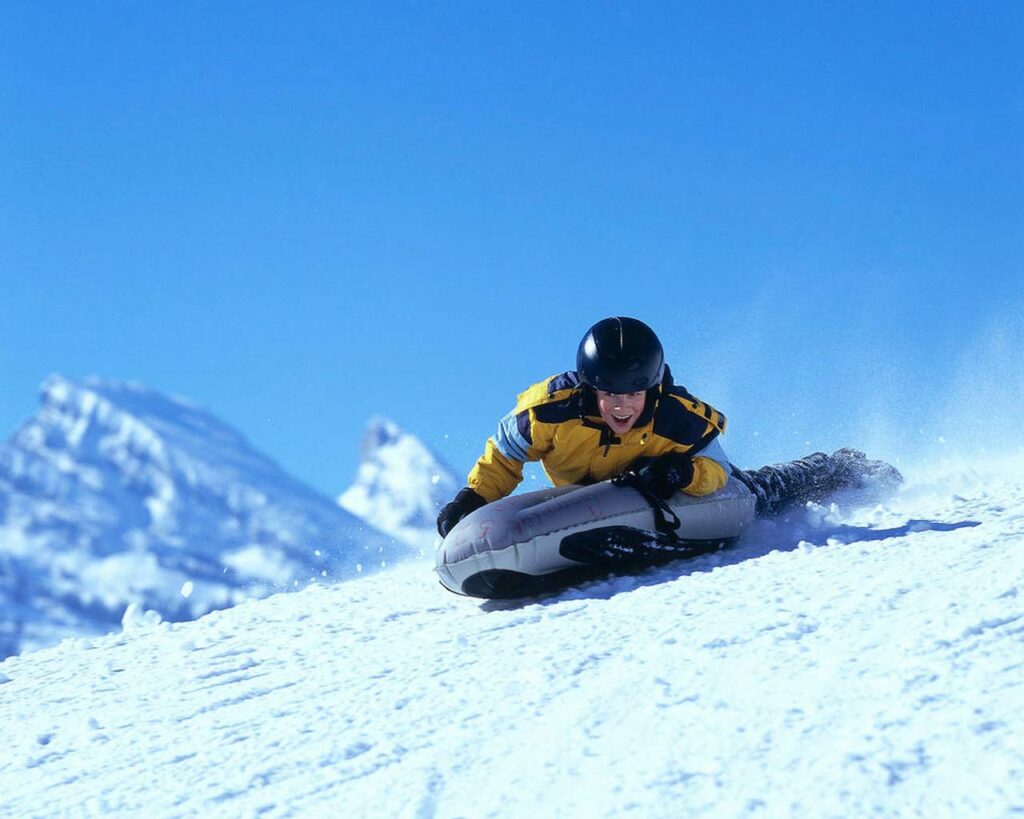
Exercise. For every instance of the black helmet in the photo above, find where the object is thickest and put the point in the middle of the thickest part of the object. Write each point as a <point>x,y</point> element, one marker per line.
<point>620,355</point>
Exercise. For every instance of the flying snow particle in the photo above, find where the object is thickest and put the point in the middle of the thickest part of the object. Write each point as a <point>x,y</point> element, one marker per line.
<point>186,589</point>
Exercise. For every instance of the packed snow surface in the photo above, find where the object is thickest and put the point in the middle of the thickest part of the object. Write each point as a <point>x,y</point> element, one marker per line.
<point>849,662</point>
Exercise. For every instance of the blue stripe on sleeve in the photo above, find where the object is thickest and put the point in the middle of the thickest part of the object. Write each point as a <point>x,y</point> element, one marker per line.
<point>510,441</point>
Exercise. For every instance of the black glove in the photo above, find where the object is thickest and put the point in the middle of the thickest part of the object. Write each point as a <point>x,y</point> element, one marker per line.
<point>465,502</point>
<point>666,475</point>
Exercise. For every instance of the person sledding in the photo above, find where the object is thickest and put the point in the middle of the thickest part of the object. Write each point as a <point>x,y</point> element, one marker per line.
<point>620,415</point>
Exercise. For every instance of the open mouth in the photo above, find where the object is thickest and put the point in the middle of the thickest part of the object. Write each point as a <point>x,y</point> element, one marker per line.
<point>622,419</point>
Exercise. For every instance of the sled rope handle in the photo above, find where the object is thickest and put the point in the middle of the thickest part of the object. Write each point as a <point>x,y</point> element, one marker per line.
<point>666,521</point>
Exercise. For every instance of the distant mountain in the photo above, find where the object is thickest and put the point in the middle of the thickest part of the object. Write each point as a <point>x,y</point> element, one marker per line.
<point>400,485</point>
<point>115,494</point>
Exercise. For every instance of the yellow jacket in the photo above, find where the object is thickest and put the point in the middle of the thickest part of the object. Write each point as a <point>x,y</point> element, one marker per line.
<point>556,421</point>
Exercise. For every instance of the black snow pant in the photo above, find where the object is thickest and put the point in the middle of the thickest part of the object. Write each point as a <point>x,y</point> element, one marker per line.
<point>812,478</point>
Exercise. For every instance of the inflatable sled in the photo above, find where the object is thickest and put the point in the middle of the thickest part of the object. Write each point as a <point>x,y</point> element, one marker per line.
<point>537,541</point>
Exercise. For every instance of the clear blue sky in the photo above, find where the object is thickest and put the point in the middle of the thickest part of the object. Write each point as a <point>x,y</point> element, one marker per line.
<point>301,214</point>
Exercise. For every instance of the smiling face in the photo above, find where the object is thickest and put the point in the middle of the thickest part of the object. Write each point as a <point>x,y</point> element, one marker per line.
<point>620,411</point>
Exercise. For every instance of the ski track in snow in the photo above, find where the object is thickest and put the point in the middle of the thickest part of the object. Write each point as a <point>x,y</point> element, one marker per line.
<point>845,664</point>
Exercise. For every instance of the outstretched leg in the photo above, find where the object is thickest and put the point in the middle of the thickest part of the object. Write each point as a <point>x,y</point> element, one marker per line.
<point>814,478</point>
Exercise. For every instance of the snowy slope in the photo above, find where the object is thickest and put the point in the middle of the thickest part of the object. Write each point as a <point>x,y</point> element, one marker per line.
<point>850,663</point>
<point>400,485</point>
<point>113,494</point>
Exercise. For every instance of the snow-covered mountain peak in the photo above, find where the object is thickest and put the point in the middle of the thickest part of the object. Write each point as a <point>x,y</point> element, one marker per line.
<point>380,432</point>
<point>400,484</point>
<point>97,418</point>
<point>114,493</point>
<point>105,402</point>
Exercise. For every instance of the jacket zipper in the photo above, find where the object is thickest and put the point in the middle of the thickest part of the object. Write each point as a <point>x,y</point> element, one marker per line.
<point>608,439</point>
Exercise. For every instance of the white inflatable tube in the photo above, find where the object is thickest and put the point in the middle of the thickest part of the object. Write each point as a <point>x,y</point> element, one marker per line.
<point>504,548</point>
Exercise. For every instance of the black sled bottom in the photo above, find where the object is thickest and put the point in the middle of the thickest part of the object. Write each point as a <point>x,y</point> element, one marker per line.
<point>625,546</point>
<point>505,584</point>
<point>603,550</point>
